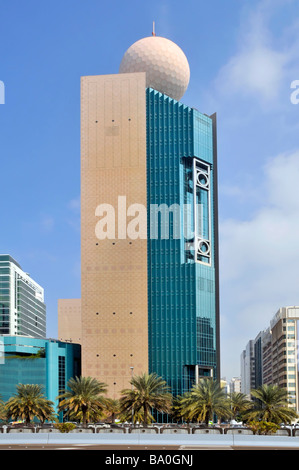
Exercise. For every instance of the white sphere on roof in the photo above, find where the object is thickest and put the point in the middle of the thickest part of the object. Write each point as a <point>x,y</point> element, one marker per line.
<point>166,66</point>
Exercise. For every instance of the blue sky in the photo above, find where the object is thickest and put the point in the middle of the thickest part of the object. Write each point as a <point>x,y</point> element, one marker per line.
<point>243,56</point>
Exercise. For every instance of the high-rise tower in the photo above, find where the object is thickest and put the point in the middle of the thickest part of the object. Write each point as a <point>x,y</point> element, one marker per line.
<point>149,223</point>
<point>22,306</point>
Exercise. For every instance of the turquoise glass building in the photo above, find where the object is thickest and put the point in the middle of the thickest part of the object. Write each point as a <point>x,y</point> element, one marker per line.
<point>183,267</point>
<point>46,362</point>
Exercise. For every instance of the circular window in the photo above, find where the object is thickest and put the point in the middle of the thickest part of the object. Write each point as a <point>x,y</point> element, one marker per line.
<point>204,247</point>
<point>202,179</point>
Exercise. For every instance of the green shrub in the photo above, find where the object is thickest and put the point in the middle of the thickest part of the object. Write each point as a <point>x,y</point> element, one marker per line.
<point>65,427</point>
<point>263,427</point>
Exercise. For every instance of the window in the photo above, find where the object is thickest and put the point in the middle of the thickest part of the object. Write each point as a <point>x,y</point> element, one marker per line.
<point>61,373</point>
<point>197,211</point>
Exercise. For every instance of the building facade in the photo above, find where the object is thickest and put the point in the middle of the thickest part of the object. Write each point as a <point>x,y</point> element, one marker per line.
<point>258,359</point>
<point>274,354</point>
<point>114,281</point>
<point>182,263</point>
<point>284,349</point>
<point>235,385</point>
<point>46,362</point>
<point>149,236</point>
<point>266,371</point>
<point>69,320</point>
<point>22,306</point>
<point>248,369</point>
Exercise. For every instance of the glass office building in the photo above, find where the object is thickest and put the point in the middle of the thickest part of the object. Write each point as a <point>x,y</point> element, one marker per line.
<point>46,362</point>
<point>22,307</point>
<point>183,251</point>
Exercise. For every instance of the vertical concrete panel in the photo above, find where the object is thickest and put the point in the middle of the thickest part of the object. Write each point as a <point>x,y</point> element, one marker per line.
<point>69,320</point>
<point>52,371</point>
<point>114,272</point>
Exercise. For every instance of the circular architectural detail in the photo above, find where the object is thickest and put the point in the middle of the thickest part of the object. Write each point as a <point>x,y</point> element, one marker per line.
<point>203,247</point>
<point>202,179</point>
<point>166,66</point>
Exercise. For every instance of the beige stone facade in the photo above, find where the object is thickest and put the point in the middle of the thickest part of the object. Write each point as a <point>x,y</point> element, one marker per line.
<point>114,271</point>
<point>69,320</point>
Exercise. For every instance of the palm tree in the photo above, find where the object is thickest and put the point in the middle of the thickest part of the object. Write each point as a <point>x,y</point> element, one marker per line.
<point>93,415</point>
<point>182,408</point>
<point>83,399</point>
<point>203,401</point>
<point>2,410</point>
<point>29,402</point>
<point>47,412</point>
<point>239,403</point>
<point>271,405</point>
<point>149,391</point>
<point>135,417</point>
<point>112,409</point>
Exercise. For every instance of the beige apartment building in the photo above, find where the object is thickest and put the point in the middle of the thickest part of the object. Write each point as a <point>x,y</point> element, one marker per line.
<point>284,342</point>
<point>276,358</point>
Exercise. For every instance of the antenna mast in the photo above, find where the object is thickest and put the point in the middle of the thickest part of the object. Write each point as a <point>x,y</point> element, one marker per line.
<point>153,33</point>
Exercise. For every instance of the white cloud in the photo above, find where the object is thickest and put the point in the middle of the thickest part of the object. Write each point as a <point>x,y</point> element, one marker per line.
<point>259,259</point>
<point>262,61</point>
<point>47,223</point>
<point>255,70</point>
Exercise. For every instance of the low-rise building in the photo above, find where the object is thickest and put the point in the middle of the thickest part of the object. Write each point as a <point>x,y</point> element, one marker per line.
<point>46,362</point>
<point>235,385</point>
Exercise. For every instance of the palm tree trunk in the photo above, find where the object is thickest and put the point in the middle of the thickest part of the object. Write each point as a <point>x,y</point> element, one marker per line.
<point>145,415</point>
<point>84,419</point>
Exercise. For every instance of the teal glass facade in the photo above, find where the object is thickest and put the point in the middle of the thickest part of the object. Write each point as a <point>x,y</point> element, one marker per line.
<point>183,287</point>
<point>49,363</point>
